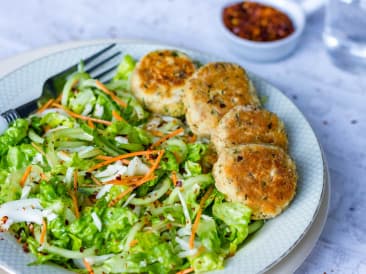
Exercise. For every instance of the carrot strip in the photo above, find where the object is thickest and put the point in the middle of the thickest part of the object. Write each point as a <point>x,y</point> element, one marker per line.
<point>133,243</point>
<point>106,158</point>
<point>88,266</point>
<point>117,116</point>
<point>90,124</point>
<point>45,106</point>
<point>143,180</point>
<point>58,99</point>
<point>43,232</point>
<point>123,156</point>
<point>25,175</point>
<point>110,93</point>
<point>192,139</point>
<point>75,204</point>
<point>43,176</point>
<point>124,180</point>
<point>156,133</point>
<point>198,217</point>
<point>103,157</point>
<point>96,181</point>
<point>129,190</point>
<point>46,128</point>
<point>148,176</point>
<point>120,196</point>
<point>186,271</point>
<point>174,178</point>
<point>85,118</point>
<point>166,137</point>
<point>75,180</point>
<point>155,165</point>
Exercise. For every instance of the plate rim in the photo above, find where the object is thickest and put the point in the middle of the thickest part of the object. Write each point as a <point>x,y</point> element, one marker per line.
<point>89,43</point>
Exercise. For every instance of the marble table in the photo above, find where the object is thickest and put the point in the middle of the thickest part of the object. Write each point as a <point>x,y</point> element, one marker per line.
<point>334,101</point>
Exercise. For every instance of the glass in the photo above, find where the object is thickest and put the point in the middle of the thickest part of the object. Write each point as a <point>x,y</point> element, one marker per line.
<point>345,33</point>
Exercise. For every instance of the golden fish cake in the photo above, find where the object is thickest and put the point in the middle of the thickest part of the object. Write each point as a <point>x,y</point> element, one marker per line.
<point>212,91</point>
<point>263,177</point>
<point>248,125</point>
<point>158,81</point>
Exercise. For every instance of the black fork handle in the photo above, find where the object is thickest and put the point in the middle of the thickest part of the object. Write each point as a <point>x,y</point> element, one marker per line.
<point>9,116</point>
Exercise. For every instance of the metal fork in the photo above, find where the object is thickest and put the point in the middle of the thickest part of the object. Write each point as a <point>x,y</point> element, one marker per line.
<point>53,86</point>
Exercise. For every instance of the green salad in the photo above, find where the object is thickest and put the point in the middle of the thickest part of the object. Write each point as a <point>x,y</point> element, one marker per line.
<point>95,183</point>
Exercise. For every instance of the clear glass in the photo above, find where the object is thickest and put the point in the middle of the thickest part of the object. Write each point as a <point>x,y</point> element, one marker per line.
<point>345,33</point>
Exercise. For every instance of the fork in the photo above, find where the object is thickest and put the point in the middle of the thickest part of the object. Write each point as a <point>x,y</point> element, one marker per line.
<point>52,87</point>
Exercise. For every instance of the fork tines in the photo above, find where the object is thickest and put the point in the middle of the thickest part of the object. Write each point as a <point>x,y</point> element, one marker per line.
<point>101,69</point>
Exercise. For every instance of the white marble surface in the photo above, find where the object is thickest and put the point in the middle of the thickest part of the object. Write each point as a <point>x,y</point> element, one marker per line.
<point>334,101</point>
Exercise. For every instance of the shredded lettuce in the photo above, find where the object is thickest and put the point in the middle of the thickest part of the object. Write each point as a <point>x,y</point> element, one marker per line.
<point>13,135</point>
<point>125,68</point>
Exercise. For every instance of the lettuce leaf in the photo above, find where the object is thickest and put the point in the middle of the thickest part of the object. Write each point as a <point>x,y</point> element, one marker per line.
<point>13,135</point>
<point>236,218</point>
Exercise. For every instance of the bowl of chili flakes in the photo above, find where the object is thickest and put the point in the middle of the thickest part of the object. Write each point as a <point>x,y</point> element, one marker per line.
<point>264,30</point>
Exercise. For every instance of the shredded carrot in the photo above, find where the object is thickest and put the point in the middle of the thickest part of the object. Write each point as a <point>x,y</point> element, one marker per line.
<point>46,128</point>
<point>192,139</point>
<point>103,157</point>
<point>25,175</point>
<point>111,94</point>
<point>198,217</point>
<point>124,180</point>
<point>186,271</point>
<point>156,133</point>
<point>143,180</point>
<point>116,116</point>
<point>166,137</point>
<point>75,203</point>
<point>43,176</point>
<point>58,99</point>
<point>123,156</point>
<point>129,190</point>
<point>120,196</point>
<point>43,232</point>
<point>174,178</point>
<point>75,180</point>
<point>96,181</point>
<point>148,177</point>
<point>200,250</point>
<point>106,158</point>
<point>86,118</point>
<point>91,124</point>
<point>88,266</point>
<point>45,106</point>
<point>133,243</point>
<point>155,165</point>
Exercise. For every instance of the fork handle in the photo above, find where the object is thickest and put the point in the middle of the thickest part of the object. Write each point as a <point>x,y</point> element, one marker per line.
<point>6,118</point>
<point>12,114</point>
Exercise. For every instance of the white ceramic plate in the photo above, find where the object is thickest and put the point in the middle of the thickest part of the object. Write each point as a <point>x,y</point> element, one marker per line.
<point>273,242</point>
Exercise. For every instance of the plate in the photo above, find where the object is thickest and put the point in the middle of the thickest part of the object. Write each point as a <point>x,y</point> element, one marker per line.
<point>273,242</point>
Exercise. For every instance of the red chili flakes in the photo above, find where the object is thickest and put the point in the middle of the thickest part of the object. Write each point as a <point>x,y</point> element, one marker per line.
<point>257,22</point>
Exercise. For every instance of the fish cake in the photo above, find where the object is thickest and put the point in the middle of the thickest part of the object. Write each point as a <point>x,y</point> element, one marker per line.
<point>212,91</point>
<point>263,177</point>
<point>249,125</point>
<point>158,81</point>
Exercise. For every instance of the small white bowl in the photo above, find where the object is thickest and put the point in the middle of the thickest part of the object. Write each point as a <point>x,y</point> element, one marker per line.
<point>267,51</point>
